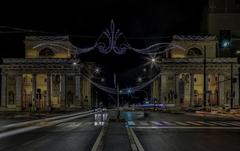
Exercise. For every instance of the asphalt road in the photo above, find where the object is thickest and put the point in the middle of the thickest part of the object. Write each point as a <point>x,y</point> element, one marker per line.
<point>77,135</point>
<point>178,132</point>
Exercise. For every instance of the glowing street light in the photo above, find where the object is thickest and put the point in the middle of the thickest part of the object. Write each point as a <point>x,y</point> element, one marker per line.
<point>129,91</point>
<point>153,60</point>
<point>74,63</point>
<point>97,70</point>
<point>139,79</point>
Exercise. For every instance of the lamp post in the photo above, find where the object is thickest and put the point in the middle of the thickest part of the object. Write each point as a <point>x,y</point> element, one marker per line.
<point>96,99</point>
<point>204,78</point>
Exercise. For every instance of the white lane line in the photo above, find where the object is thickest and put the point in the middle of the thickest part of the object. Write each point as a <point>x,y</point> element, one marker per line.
<point>220,124</point>
<point>181,123</point>
<point>193,123</point>
<point>167,123</point>
<point>136,140</point>
<point>131,123</point>
<point>186,127</point>
<point>99,140</point>
<point>156,123</point>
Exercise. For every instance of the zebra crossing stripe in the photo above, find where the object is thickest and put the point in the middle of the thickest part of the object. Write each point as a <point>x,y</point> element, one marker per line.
<point>205,123</point>
<point>181,123</point>
<point>156,123</point>
<point>193,123</point>
<point>167,123</point>
<point>131,123</point>
<point>219,123</point>
<point>234,123</point>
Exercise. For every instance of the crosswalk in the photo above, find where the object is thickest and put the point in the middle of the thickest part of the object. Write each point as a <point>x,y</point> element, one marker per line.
<point>160,124</point>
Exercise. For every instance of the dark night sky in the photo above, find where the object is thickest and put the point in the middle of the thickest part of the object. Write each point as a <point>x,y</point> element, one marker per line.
<point>136,18</point>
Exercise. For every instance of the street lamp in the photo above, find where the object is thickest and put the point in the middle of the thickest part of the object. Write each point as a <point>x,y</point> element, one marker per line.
<point>97,70</point>
<point>139,79</point>
<point>74,63</point>
<point>153,60</point>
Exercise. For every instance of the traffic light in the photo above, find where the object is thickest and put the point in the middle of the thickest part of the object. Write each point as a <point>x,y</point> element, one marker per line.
<point>225,39</point>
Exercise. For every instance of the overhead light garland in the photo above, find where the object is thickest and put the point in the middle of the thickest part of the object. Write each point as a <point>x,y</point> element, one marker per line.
<point>116,42</point>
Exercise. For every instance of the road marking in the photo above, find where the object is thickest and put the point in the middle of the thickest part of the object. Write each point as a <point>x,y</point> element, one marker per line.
<point>181,123</point>
<point>219,123</point>
<point>205,123</point>
<point>131,123</point>
<point>135,144</point>
<point>99,141</point>
<point>167,123</point>
<point>186,127</point>
<point>236,123</point>
<point>156,123</point>
<point>193,123</point>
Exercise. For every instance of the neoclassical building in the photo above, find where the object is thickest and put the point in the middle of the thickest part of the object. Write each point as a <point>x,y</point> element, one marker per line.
<point>182,74</point>
<point>47,78</point>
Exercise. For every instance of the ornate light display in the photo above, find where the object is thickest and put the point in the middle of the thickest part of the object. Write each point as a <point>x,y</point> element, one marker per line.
<point>112,40</point>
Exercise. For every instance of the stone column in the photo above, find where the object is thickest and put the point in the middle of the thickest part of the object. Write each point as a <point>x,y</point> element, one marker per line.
<point>155,89</point>
<point>207,94</point>
<point>4,90</point>
<point>221,90</point>
<point>34,89</point>
<point>177,76</point>
<point>49,91</point>
<point>77,90</point>
<point>236,91</point>
<point>18,96</point>
<point>63,90</point>
<point>163,87</point>
<point>191,89</point>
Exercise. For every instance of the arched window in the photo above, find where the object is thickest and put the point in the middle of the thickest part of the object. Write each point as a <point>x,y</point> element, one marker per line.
<point>46,52</point>
<point>194,52</point>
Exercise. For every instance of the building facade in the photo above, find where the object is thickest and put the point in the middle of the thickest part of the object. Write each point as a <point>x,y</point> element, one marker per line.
<point>47,78</point>
<point>182,74</point>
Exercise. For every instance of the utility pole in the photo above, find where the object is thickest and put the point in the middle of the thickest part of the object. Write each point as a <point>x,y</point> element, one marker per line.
<point>96,99</point>
<point>231,86</point>
<point>204,78</point>
<point>118,95</point>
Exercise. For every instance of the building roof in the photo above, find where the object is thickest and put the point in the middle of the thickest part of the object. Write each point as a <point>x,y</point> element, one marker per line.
<point>194,38</point>
<point>47,38</point>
